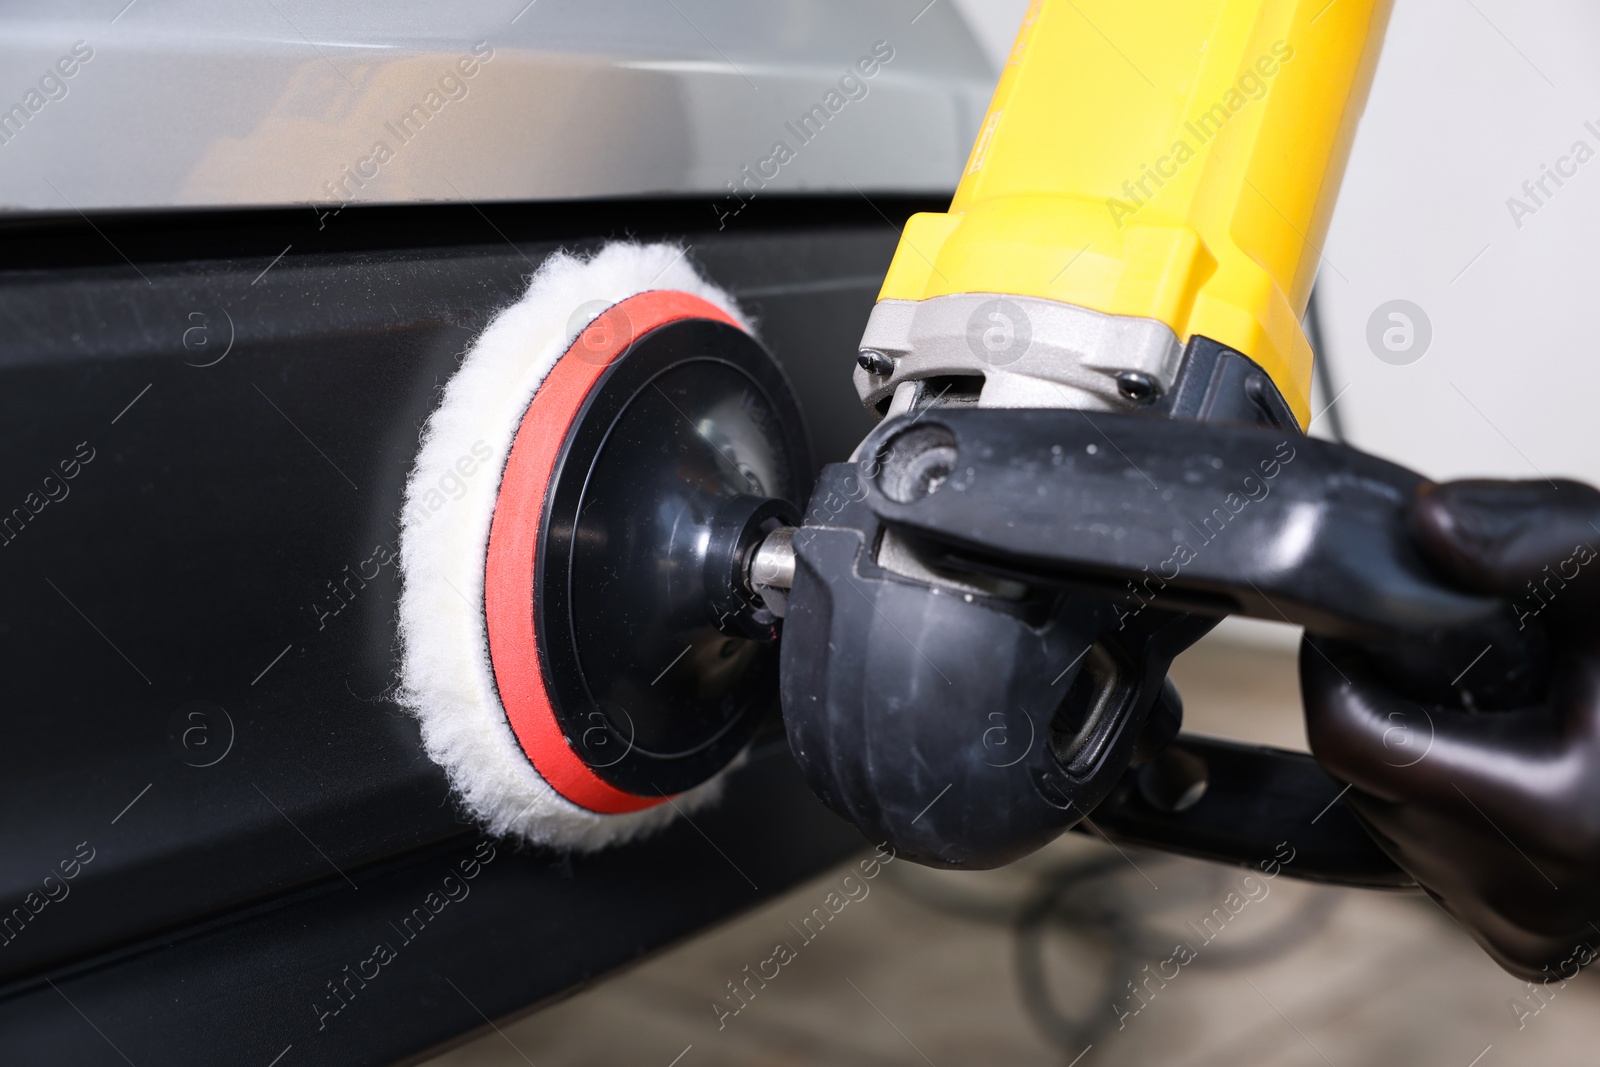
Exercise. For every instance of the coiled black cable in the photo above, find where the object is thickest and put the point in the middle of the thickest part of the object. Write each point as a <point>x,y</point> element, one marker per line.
<point>1097,898</point>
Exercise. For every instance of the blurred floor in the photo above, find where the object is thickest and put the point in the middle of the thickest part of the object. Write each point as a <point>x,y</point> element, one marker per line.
<point>923,969</point>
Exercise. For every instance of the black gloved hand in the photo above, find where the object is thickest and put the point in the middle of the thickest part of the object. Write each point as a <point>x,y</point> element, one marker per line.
<point>1495,813</point>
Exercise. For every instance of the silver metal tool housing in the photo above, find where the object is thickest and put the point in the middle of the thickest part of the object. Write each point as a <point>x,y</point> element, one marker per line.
<point>997,350</point>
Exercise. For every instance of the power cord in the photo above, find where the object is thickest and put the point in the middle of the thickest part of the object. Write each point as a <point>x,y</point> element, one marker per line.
<point>1098,899</point>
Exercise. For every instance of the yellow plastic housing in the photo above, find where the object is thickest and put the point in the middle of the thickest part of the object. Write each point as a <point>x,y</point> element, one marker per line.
<point>1168,159</point>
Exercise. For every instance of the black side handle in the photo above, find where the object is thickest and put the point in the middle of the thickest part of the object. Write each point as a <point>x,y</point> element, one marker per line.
<point>1213,518</point>
<point>1249,805</point>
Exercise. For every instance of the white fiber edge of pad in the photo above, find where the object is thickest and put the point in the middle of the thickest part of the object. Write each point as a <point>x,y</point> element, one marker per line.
<point>446,676</point>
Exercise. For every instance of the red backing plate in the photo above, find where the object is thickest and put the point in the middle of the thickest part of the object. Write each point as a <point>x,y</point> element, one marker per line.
<point>514,539</point>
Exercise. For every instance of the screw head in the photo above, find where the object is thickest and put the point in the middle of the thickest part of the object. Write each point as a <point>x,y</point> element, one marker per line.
<point>875,363</point>
<point>1136,387</point>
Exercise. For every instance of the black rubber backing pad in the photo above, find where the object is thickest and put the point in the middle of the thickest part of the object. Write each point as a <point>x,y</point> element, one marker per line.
<point>651,691</point>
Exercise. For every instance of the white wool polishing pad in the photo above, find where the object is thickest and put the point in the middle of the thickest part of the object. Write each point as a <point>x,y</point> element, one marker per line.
<point>448,669</point>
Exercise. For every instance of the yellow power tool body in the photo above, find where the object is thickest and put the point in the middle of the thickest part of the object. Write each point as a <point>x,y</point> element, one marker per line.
<point>1171,166</point>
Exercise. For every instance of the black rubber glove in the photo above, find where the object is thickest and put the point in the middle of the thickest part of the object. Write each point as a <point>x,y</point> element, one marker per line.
<point>1496,813</point>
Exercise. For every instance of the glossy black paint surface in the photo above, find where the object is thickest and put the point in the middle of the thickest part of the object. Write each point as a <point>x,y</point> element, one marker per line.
<point>197,626</point>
